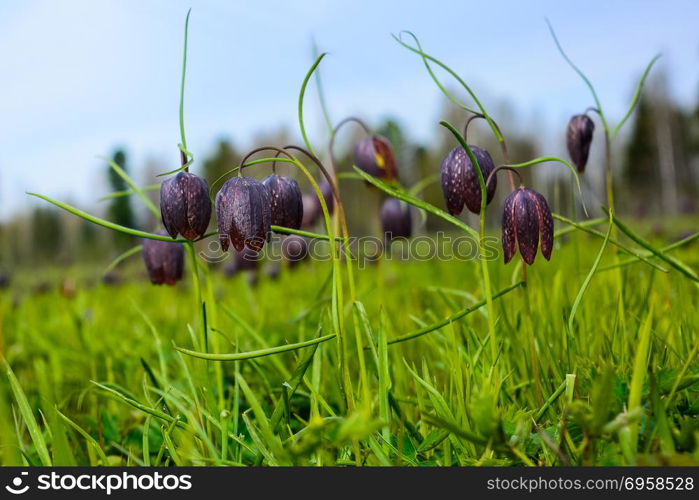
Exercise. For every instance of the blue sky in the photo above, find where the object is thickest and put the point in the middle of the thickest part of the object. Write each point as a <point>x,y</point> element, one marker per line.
<point>80,77</point>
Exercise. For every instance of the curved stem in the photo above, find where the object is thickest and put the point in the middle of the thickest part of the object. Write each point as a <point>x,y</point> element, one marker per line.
<point>333,134</point>
<point>425,59</point>
<point>503,167</point>
<point>321,94</point>
<point>348,264</point>
<point>468,123</point>
<point>337,283</point>
<point>581,74</point>
<point>636,96</point>
<point>501,141</point>
<point>337,297</point>
<point>556,159</point>
<point>300,104</point>
<point>452,73</point>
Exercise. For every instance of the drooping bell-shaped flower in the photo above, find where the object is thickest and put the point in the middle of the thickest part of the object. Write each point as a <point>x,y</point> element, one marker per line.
<point>244,214</point>
<point>164,260</point>
<point>375,156</point>
<point>578,139</point>
<point>294,249</point>
<point>526,216</point>
<point>185,205</point>
<point>396,220</point>
<point>460,180</point>
<point>286,201</point>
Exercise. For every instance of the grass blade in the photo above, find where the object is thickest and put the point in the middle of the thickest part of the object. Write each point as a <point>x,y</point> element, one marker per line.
<point>453,317</point>
<point>640,367</point>
<point>140,406</point>
<point>129,181</point>
<point>588,278</point>
<point>638,256</point>
<point>89,439</point>
<point>672,261</point>
<point>121,258</point>
<point>636,96</point>
<point>28,417</point>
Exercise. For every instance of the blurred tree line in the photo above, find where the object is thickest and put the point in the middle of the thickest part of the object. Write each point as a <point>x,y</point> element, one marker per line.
<point>656,172</point>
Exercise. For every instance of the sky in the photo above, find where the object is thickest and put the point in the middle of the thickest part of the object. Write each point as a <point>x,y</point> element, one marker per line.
<point>81,77</point>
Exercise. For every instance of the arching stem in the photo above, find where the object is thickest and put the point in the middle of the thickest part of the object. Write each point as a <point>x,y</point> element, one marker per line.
<point>364,379</point>
<point>333,134</point>
<point>337,298</point>
<point>498,136</point>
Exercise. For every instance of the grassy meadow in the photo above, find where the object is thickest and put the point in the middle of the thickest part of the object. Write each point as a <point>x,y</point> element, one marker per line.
<point>91,375</point>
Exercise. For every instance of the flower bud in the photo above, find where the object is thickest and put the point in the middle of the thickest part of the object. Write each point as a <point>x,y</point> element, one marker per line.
<point>164,260</point>
<point>460,180</point>
<point>375,156</point>
<point>185,205</point>
<point>396,220</point>
<point>286,201</point>
<point>244,214</point>
<point>578,139</point>
<point>525,217</point>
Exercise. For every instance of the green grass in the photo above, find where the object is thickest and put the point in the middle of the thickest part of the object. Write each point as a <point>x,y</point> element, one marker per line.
<point>97,378</point>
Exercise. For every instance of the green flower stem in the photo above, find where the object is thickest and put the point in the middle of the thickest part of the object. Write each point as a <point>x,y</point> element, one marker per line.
<point>337,295</point>
<point>545,159</point>
<point>426,57</point>
<point>580,73</point>
<point>184,73</point>
<point>494,346</point>
<point>608,136</point>
<point>364,379</point>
